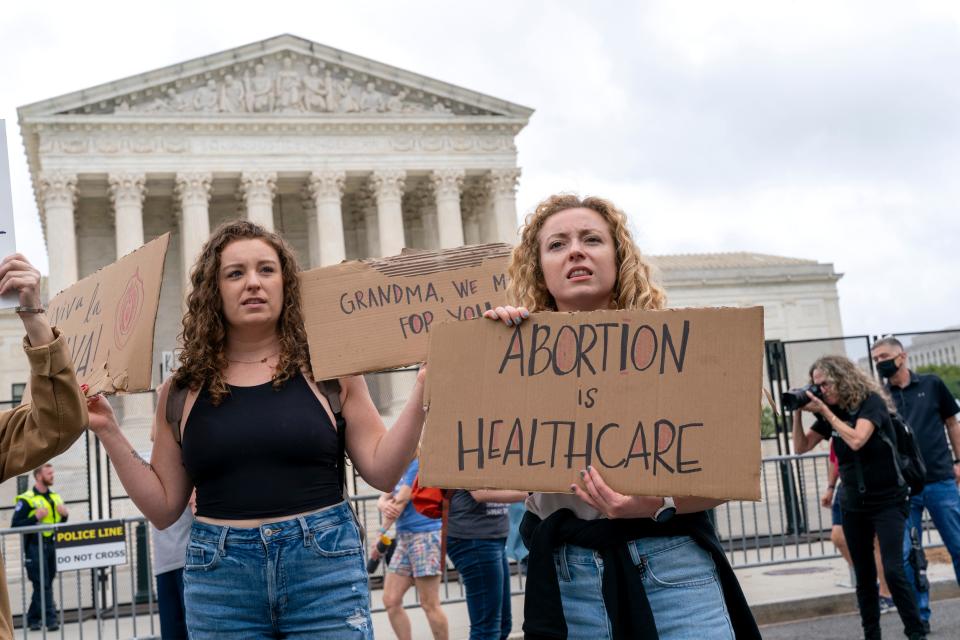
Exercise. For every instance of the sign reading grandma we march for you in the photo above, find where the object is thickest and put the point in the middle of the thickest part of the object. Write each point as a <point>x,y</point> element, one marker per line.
<point>372,315</point>
<point>661,403</point>
<point>91,544</point>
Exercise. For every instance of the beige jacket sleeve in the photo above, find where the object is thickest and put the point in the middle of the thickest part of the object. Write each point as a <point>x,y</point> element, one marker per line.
<point>33,433</point>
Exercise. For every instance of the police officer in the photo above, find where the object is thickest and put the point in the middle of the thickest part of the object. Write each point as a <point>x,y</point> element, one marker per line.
<point>40,505</point>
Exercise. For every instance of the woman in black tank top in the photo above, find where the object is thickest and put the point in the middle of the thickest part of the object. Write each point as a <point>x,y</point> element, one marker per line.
<point>275,550</point>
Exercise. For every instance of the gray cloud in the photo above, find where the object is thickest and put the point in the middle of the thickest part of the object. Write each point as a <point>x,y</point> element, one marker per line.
<point>819,129</point>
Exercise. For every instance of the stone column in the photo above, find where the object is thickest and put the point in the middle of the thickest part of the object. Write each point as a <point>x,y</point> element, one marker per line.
<point>447,185</point>
<point>367,218</point>
<point>193,192</point>
<point>474,202</point>
<point>309,206</point>
<point>326,241</point>
<point>502,184</point>
<point>127,191</point>
<point>388,190</point>
<point>256,189</point>
<point>58,195</point>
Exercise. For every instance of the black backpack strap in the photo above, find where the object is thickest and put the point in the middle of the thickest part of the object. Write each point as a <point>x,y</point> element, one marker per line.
<point>331,391</point>
<point>176,400</point>
<point>861,483</point>
<point>896,455</point>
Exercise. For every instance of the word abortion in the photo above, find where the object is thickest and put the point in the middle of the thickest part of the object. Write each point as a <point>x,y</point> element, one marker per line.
<point>594,347</point>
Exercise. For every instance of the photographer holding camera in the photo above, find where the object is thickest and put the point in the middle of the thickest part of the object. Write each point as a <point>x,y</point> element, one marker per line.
<point>851,407</point>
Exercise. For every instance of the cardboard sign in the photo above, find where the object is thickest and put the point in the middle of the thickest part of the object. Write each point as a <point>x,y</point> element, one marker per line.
<point>91,544</point>
<point>8,242</point>
<point>661,403</point>
<point>372,315</point>
<point>108,320</point>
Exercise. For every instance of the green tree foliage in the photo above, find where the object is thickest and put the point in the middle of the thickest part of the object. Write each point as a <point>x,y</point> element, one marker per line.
<point>768,428</point>
<point>949,373</point>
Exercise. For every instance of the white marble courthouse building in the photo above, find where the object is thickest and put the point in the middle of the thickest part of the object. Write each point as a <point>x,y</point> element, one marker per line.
<point>344,156</point>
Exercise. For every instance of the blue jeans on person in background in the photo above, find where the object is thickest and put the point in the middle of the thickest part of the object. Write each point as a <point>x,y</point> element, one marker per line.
<point>300,578</point>
<point>679,577</point>
<point>516,550</point>
<point>485,574</point>
<point>173,620</point>
<point>942,500</point>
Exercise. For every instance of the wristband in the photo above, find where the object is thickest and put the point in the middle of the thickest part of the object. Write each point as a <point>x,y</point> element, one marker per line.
<point>956,461</point>
<point>20,309</point>
<point>831,486</point>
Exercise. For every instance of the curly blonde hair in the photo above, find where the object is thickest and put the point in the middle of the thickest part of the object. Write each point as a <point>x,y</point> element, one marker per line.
<point>852,384</point>
<point>634,287</point>
<point>203,338</point>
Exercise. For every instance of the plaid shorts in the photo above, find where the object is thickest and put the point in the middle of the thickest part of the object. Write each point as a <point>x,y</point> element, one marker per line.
<point>417,554</point>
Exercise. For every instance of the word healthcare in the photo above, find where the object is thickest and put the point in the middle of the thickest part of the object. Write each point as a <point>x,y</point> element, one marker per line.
<point>660,402</point>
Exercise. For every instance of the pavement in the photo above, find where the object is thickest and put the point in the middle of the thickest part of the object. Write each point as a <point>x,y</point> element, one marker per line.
<point>944,624</point>
<point>779,595</point>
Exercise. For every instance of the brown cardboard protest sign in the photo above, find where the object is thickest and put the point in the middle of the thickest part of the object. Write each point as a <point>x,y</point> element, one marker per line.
<point>108,320</point>
<point>372,315</point>
<point>662,403</point>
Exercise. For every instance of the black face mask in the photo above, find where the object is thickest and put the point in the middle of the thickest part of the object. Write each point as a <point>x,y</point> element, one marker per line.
<point>888,368</point>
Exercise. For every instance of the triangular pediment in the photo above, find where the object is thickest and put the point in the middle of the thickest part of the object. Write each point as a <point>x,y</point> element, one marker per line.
<point>281,76</point>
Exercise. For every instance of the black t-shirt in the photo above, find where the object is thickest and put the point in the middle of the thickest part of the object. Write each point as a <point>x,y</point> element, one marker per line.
<point>924,404</point>
<point>880,479</point>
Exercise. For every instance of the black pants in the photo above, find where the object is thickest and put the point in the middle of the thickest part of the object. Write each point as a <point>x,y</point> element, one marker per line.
<point>887,523</point>
<point>173,620</point>
<point>34,555</point>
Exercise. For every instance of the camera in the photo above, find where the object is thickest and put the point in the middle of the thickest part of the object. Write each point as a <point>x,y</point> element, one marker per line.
<point>796,398</point>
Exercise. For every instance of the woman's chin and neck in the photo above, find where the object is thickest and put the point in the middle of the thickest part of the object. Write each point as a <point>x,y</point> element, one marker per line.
<point>252,339</point>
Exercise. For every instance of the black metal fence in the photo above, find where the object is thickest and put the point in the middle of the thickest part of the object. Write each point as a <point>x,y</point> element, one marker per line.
<point>788,525</point>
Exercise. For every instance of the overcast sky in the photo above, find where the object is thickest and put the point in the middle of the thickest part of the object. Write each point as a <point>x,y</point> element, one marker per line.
<point>822,130</point>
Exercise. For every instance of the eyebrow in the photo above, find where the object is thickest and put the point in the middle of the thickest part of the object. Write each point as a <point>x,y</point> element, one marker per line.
<point>564,234</point>
<point>241,264</point>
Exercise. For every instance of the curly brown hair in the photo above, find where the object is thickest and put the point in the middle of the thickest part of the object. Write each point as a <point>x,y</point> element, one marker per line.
<point>852,384</point>
<point>204,334</point>
<point>634,287</point>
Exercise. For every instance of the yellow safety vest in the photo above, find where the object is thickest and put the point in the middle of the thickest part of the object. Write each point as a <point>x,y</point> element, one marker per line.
<point>34,501</point>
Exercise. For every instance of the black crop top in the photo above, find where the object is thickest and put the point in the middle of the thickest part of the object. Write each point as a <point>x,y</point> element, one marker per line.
<point>262,453</point>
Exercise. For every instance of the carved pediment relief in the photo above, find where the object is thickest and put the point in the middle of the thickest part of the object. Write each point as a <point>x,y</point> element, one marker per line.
<point>283,83</point>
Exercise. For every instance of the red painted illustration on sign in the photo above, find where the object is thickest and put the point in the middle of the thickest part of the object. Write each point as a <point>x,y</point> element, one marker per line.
<point>128,310</point>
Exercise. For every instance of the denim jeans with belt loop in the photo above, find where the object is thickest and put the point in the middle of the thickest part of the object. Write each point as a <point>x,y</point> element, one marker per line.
<point>299,578</point>
<point>680,580</point>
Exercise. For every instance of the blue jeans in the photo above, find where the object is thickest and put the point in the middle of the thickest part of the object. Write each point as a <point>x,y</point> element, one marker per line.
<point>300,578</point>
<point>942,500</point>
<point>679,577</point>
<point>516,550</point>
<point>485,574</point>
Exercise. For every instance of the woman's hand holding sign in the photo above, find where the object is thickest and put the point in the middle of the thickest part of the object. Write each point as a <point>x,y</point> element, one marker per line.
<point>510,316</point>
<point>596,493</point>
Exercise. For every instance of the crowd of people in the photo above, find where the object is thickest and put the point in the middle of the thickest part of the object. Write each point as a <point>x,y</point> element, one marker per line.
<point>246,480</point>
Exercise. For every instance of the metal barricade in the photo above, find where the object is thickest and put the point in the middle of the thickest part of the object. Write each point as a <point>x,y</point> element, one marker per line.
<point>104,602</point>
<point>452,589</point>
<point>119,601</point>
